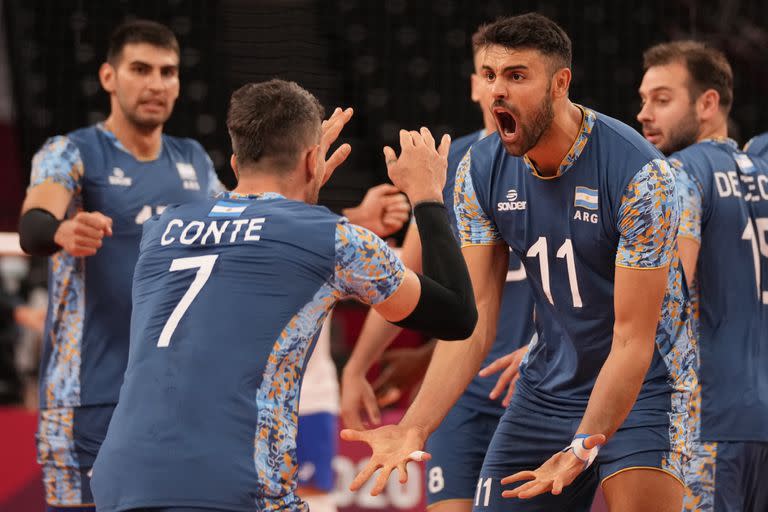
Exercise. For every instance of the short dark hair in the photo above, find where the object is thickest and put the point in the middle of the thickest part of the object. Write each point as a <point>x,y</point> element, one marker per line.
<point>707,67</point>
<point>140,31</point>
<point>527,31</point>
<point>274,119</point>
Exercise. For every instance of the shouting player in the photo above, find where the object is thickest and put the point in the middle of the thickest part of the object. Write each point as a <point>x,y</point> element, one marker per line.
<point>590,208</point>
<point>459,444</point>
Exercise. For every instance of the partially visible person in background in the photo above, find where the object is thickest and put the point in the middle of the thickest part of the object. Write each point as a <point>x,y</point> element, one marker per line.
<point>459,444</point>
<point>90,192</point>
<point>687,94</point>
<point>758,145</point>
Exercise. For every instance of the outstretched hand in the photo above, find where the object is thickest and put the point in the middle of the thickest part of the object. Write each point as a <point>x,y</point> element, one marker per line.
<point>556,473</point>
<point>331,129</point>
<point>509,366</point>
<point>393,447</point>
<point>420,170</point>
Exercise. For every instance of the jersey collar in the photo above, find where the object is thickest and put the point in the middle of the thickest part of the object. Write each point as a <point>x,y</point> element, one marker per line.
<point>588,118</point>
<point>722,140</point>
<point>119,145</point>
<point>261,195</point>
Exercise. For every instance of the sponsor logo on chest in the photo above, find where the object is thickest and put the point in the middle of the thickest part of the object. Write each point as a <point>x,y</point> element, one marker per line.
<point>188,176</point>
<point>585,202</point>
<point>512,203</point>
<point>119,178</point>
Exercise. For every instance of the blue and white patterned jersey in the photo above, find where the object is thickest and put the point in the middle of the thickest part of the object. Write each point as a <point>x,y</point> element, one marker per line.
<point>612,204</point>
<point>228,298</point>
<point>724,198</point>
<point>86,335</point>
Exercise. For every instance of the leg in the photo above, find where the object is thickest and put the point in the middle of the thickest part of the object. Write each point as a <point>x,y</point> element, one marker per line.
<point>315,449</point>
<point>524,440</point>
<point>643,490</point>
<point>458,448</point>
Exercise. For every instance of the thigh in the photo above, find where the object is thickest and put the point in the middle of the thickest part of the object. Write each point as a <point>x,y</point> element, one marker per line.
<point>643,490</point>
<point>458,448</point>
<point>523,441</point>
<point>315,448</point>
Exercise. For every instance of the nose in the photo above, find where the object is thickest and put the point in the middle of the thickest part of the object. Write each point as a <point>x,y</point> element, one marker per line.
<point>156,82</point>
<point>498,91</point>
<point>644,115</point>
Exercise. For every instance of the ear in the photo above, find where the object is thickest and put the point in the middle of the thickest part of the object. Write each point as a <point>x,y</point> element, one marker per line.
<point>107,77</point>
<point>313,164</point>
<point>233,164</point>
<point>475,83</point>
<point>708,104</point>
<point>561,82</point>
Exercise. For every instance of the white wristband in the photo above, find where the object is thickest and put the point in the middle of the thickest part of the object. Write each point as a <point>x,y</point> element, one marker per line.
<point>583,454</point>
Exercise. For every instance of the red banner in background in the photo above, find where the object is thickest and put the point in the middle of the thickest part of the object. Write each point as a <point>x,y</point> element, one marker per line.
<point>21,488</point>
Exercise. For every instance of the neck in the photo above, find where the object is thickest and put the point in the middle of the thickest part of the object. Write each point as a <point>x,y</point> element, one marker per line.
<point>715,130</point>
<point>144,144</point>
<point>261,182</point>
<point>557,140</point>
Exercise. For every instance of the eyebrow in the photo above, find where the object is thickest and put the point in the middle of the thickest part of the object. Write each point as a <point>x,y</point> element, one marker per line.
<point>660,88</point>
<point>517,67</point>
<point>147,64</point>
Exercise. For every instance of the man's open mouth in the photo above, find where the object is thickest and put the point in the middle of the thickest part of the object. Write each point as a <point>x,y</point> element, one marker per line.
<point>506,123</point>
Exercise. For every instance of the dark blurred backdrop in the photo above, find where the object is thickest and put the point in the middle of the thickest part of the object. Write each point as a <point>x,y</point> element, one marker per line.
<point>399,63</point>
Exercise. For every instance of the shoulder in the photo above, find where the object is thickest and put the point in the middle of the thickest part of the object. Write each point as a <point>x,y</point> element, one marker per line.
<point>758,145</point>
<point>616,138</point>
<point>461,145</point>
<point>185,145</point>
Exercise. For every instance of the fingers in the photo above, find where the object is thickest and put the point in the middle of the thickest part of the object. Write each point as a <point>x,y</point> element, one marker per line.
<point>385,190</point>
<point>419,456</point>
<point>384,377</point>
<point>389,397</point>
<point>389,156</point>
<point>337,158</point>
<point>332,127</point>
<point>445,145</point>
<point>348,434</point>
<point>528,490</point>
<point>417,139</point>
<point>364,475</point>
<point>371,407</point>
<point>94,220</point>
<point>426,135</point>
<point>402,472</point>
<point>517,477</point>
<point>557,486</point>
<point>406,140</point>
<point>381,480</point>
<point>496,366</point>
<point>351,418</point>
<point>510,390</point>
<point>594,440</point>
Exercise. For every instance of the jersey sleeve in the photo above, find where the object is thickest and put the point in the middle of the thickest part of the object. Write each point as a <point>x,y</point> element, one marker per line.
<point>648,219</point>
<point>366,268</point>
<point>690,193</point>
<point>58,161</point>
<point>215,187</point>
<point>472,223</point>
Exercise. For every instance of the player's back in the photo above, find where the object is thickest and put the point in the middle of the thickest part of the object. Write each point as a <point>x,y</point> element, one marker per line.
<point>725,208</point>
<point>228,296</point>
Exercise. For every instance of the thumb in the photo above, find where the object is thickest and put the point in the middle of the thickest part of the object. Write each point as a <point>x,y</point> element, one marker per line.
<point>389,156</point>
<point>445,145</point>
<point>353,435</point>
<point>594,440</point>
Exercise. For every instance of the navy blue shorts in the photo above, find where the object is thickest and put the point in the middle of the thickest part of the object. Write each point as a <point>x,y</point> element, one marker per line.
<point>458,448</point>
<point>525,439</point>
<point>68,440</point>
<point>727,477</point>
<point>316,444</point>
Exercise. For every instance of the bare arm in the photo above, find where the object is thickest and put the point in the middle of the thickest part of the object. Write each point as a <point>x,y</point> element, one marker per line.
<point>638,295</point>
<point>376,335</point>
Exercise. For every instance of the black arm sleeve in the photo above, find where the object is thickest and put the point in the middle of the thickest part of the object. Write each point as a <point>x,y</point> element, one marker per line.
<point>446,307</point>
<point>36,230</point>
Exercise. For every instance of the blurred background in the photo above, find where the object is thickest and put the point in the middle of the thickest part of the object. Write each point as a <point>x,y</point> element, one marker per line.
<point>398,63</point>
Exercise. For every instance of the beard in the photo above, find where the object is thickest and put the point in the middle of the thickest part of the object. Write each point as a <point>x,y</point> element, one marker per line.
<point>146,123</point>
<point>685,134</point>
<point>531,129</point>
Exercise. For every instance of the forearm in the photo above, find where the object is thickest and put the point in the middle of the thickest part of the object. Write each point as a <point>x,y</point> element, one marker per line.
<point>617,386</point>
<point>376,335</point>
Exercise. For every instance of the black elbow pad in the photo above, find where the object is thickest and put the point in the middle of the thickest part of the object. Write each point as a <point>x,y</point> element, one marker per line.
<point>37,228</point>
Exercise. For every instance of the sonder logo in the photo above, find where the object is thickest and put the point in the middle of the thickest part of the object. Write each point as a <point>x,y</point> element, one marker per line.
<point>188,176</point>
<point>511,203</point>
<point>119,178</point>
